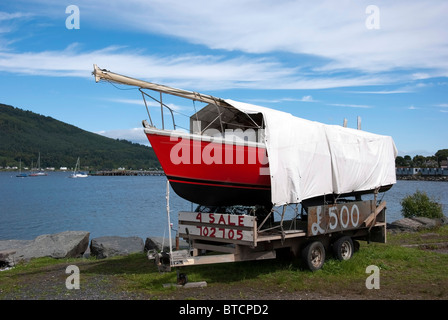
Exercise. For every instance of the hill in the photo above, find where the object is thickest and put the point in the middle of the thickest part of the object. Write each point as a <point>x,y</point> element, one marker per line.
<point>23,134</point>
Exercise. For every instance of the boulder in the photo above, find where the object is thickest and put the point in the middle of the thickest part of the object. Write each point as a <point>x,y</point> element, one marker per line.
<point>427,223</point>
<point>12,244</point>
<point>406,224</point>
<point>163,244</point>
<point>415,224</point>
<point>443,220</point>
<point>157,244</point>
<point>109,246</point>
<point>67,244</point>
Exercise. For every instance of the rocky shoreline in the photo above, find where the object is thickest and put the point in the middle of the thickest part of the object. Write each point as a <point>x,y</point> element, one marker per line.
<point>75,244</point>
<point>421,178</point>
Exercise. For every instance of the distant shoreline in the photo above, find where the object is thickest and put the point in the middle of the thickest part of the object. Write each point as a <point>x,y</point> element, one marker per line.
<point>422,178</point>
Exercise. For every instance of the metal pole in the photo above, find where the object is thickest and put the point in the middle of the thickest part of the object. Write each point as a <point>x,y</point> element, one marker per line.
<point>168,214</point>
<point>161,111</point>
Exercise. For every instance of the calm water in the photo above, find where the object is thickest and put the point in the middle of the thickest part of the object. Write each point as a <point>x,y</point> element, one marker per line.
<point>122,206</point>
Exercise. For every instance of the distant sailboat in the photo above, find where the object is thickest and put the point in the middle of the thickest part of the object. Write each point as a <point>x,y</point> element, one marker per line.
<point>76,173</point>
<point>39,173</point>
<point>21,175</point>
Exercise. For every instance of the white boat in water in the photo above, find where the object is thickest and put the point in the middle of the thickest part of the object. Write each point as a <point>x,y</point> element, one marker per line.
<point>76,173</point>
<point>39,173</point>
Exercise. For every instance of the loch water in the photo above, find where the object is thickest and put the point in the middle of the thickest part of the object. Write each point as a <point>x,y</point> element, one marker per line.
<point>123,205</point>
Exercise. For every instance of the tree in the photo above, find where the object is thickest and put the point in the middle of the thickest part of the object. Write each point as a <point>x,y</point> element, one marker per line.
<point>419,161</point>
<point>400,162</point>
<point>408,160</point>
<point>441,155</point>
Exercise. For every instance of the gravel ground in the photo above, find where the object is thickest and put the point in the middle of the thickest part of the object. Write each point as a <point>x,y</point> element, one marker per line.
<point>50,284</point>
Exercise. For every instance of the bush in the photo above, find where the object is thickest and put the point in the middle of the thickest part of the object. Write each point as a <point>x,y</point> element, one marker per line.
<point>420,205</point>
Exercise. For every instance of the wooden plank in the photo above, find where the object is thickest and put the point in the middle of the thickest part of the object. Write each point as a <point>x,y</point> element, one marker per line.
<point>218,219</point>
<point>216,233</point>
<point>218,227</point>
<point>272,237</point>
<point>211,247</point>
<point>372,216</point>
<point>337,217</point>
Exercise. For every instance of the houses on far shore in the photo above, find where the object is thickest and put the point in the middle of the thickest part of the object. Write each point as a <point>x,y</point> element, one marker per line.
<point>421,171</point>
<point>408,171</point>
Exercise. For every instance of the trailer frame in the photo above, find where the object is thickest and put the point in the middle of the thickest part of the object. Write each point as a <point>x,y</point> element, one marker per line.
<point>313,232</point>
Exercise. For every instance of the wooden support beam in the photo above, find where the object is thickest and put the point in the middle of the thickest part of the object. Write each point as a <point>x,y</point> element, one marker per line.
<point>368,221</point>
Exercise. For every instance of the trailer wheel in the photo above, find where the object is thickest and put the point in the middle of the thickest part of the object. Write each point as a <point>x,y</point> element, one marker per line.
<point>343,248</point>
<point>314,255</point>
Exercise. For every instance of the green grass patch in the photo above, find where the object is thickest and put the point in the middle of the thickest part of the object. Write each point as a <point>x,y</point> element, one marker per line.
<point>404,271</point>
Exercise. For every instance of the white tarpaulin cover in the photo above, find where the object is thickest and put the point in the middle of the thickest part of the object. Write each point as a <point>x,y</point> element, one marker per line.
<point>309,159</point>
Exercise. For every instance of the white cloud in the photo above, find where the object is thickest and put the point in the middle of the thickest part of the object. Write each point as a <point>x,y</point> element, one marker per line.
<point>411,35</point>
<point>135,135</point>
<point>384,91</point>
<point>303,99</point>
<point>129,101</point>
<point>185,71</point>
<point>307,99</point>
<point>412,39</point>
<point>6,16</point>
<point>361,106</point>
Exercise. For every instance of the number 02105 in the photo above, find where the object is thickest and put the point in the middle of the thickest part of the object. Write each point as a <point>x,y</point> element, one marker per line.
<point>224,233</point>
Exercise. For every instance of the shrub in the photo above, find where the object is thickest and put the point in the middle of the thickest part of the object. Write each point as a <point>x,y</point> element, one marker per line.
<point>420,205</point>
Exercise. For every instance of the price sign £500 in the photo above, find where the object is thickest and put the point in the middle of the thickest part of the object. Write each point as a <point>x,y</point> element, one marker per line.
<point>331,218</point>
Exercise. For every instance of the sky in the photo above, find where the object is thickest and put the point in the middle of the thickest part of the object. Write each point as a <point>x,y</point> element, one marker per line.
<point>385,62</point>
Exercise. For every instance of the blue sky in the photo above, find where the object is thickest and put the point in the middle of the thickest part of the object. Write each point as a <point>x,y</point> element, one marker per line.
<point>318,60</point>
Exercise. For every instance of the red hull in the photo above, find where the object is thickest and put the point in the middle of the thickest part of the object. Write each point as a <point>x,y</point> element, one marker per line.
<point>213,172</point>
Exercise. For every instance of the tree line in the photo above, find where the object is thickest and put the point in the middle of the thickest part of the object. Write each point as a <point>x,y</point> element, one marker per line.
<point>420,161</point>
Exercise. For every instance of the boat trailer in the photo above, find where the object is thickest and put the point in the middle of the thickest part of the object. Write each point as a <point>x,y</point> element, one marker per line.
<point>215,237</point>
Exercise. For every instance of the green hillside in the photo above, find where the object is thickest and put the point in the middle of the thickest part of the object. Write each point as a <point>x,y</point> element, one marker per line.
<point>23,134</point>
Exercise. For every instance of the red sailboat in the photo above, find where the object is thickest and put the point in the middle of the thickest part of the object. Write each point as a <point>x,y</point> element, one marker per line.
<point>222,159</point>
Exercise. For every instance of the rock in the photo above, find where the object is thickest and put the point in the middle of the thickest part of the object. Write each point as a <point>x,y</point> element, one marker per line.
<point>109,246</point>
<point>163,244</point>
<point>427,222</point>
<point>415,224</point>
<point>5,258</point>
<point>67,244</point>
<point>405,224</point>
<point>12,244</point>
<point>158,244</point>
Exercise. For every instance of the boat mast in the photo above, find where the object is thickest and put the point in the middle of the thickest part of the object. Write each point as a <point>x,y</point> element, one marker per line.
<point>103,74</point>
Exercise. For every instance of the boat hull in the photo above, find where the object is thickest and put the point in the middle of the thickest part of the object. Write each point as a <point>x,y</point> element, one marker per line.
<point>212,171</point>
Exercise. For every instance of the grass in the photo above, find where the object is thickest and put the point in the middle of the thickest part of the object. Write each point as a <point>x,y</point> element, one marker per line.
<point>405,272</point>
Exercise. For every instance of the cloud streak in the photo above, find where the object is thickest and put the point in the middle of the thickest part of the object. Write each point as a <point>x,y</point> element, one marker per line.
<point>410,35</point>
<point>248,34</point>
<point>136,135</point>
<point>188,71</point>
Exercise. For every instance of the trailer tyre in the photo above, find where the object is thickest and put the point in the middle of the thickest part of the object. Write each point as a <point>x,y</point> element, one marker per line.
<point>314,255</point>
<point>343,248</point>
